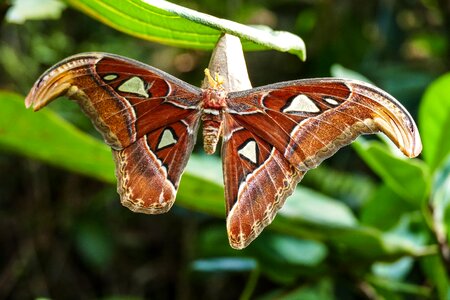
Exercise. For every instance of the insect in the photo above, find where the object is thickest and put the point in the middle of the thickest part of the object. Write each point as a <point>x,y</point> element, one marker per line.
<point>271,134</point>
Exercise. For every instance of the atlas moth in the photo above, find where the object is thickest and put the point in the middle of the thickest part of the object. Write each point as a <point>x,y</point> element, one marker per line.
<point>271,135</point>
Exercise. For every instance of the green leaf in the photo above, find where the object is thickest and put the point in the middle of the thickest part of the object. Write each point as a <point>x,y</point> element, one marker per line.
<point>436,273</point>
<point>440,202</point>
<point>338,70</point>
<point>199,190</point>
<point>284,258</point>
<point>352,188</point>
<point>308,214</point>
<point>23,10</point>
<point>383,208</point>
<point>208,167</point>
<point>233,264</point>
<point>397,270</point>
<point>411,229</point>
<point>323,290</point>
<point>409,178</point>
<point>399,287</point>
<point>170,24</point>
<point>46,136</point>
<point>293,251</point>
<point>313,207</point>
<point>434,121</point>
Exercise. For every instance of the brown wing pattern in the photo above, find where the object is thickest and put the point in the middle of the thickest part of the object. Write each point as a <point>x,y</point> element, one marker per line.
<point>299,123</point>
<point>309,120</point>
<point>125,99</point>
<point>149,170</point>
<point>258,179</point>
<point>148,117</point>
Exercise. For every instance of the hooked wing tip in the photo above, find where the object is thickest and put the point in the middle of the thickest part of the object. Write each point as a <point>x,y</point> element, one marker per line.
<point>28,101</point>
<point>58,79</point>
<point>391,118</point>
<point>415,145</point>
<point>405,136</point>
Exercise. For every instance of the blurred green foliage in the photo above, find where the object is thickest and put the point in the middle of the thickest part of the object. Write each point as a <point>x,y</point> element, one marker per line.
<point>366,224</point>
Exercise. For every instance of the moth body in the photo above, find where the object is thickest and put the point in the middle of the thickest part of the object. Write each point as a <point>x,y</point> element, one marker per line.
<point>213,106</point>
